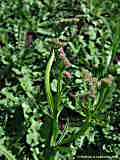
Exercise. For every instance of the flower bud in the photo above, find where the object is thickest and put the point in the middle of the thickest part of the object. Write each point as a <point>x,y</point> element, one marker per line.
<point>67,62</point>
<point>68,75</point>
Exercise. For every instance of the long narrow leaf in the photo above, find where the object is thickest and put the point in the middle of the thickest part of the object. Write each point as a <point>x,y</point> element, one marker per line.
<point>104,96</point>
<point>47,83</point>
<point>45,32</point>
<point>63,133</point>
<point>115,45</point>
<point>6,153</point>
<point>55,129</point>
<point>81,132</point>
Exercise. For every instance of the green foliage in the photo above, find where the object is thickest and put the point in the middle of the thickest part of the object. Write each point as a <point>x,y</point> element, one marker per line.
<point>43,113</point>
<point>7,154</point>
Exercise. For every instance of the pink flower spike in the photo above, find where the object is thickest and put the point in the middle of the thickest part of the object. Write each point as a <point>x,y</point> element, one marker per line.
<point>63,57</point>
<point>68,75</point>
<point>67,62</point>
<point>62,51</point>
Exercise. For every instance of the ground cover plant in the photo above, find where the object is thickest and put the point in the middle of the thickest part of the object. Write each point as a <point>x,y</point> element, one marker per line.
<point>59,79</point>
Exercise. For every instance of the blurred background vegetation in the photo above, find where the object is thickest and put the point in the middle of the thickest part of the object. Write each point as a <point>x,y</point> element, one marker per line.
<point>28,32</point>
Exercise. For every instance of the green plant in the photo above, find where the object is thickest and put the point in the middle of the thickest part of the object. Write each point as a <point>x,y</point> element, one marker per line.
<point>73,113</point>
<point>8,155</point>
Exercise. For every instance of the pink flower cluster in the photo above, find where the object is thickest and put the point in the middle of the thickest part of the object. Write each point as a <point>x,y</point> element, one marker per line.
<point>67,62</point>
<point>68,75</point>
<point>62,54</point>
